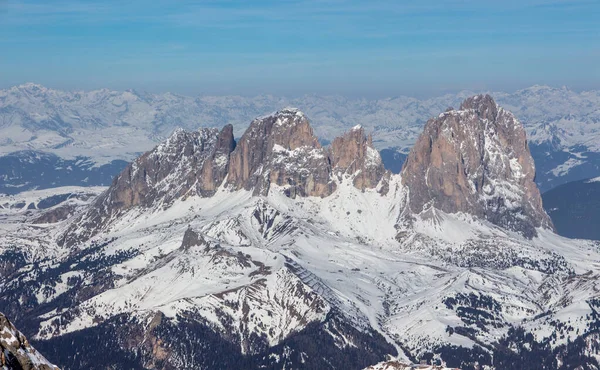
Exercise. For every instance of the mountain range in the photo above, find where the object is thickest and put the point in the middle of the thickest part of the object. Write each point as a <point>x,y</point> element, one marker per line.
<point>272,250</point>
<point>55,138</point>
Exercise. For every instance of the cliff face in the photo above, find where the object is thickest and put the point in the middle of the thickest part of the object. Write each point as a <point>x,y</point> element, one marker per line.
<point>281,149</point>
<point>215,168</point>
<point>476,160</point>
<point>353,154</point>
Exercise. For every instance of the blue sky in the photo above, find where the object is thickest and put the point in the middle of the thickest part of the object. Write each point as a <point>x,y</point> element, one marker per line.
<point>294,47</point>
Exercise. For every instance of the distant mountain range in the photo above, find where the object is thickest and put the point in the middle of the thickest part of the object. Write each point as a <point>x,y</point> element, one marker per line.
<point>104,127</point>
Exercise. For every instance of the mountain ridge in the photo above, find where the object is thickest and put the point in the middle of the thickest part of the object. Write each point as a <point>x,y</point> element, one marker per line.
<point>562,124</point>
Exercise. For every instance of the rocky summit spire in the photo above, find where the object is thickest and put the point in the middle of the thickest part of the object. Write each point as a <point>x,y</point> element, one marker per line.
<point>353,154</point>
<point>476,160</point>
<point>281,149</point>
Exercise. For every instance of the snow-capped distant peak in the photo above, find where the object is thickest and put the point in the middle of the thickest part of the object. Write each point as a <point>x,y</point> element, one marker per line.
<point>31,85</point>
<point>596,179</point>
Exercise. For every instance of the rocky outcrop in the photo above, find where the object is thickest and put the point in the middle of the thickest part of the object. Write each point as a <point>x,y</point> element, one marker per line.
<point>353,154</point>
<point>187,163</point>
<point>55,214</point>
<point>476,160</point>
<point>281,149</point>
<point>15,351</point>
<point>191,239</point>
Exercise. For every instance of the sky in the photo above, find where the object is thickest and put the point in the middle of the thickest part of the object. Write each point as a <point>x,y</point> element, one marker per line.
<point>295,47</point>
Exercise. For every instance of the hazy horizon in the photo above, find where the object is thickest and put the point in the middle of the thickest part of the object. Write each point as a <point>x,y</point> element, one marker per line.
<point>297,96</point>
<point>296,47</point>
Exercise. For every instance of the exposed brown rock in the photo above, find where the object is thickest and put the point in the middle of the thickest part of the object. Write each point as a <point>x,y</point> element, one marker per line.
<point>353,154</point>
<point>476,160</point>
<point>281,149</point>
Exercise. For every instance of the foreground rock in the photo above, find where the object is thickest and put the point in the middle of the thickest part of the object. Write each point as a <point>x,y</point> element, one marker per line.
<point>396,365</point>
<point>15,351</point>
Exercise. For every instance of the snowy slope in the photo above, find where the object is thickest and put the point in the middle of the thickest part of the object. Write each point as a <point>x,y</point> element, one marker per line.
<point>270,254</point>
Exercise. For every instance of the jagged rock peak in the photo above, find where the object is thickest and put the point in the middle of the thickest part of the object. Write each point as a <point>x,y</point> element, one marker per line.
<point>476,160</point>
<point>353,154</point>
<point>187,163</point>
<point>15,351</point>
<point>281,149</point>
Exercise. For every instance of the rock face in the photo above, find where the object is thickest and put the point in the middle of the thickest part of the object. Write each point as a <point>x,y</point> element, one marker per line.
<point>15,351</point>
<point>281,149</point>
<point>187,163</point>
<point>353,154</point>
<point>191,239</point>
<point>476,160</point>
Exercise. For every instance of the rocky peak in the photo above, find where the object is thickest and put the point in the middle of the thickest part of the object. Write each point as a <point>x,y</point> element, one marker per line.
<point>476,160</point>
<point>353,154</point>
<point>187,163</point>
<point>281,149</point>
<point>483,105</point>
<point>15,351</point>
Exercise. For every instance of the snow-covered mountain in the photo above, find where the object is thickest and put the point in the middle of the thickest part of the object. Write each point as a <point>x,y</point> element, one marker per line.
<point>94,132</point>
<point>301,256</point>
